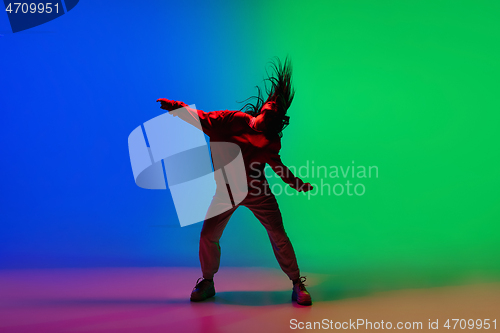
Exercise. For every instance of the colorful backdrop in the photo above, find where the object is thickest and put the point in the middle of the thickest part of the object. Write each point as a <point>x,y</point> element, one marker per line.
<point>410,87</point>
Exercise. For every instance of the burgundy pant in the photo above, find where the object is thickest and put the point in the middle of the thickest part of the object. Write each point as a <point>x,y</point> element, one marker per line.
<point>266,210</point>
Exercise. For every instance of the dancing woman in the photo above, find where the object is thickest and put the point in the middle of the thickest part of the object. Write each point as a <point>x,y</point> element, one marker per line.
<point>258,133</point>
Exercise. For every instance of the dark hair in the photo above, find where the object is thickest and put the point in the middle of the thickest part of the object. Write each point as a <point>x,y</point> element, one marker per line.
<point>281,92</point>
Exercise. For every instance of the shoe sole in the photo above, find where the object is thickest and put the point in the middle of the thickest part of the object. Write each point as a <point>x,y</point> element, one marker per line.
<point>202,299</point>
<point>294,299</point>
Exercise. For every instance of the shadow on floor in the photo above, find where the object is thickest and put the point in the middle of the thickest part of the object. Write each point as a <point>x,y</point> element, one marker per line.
<point>252,298</point>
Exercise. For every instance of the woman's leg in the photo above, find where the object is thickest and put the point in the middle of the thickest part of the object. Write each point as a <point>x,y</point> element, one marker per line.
<point>211,233</point>
<point>266,210</point>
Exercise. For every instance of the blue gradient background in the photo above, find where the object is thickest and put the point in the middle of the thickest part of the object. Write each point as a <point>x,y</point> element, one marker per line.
<point>408,86</point>
<point>71,92</point>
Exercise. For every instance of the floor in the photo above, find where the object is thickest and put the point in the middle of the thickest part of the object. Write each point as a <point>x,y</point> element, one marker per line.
<point>247,300</point>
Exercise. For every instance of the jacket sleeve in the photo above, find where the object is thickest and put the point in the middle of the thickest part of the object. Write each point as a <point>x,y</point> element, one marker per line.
<point>210,122</point>
<point>274,161</point>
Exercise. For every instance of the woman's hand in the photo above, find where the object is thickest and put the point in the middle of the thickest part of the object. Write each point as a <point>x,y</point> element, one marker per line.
<point>306,187</point>
<point>300,186</point>
<point>169,105</point>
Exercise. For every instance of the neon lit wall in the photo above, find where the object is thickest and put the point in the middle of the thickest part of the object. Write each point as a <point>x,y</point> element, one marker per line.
<point>408,87</point>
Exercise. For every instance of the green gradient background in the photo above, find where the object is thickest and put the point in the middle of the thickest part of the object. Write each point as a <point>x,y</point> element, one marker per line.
<point>408,86</point>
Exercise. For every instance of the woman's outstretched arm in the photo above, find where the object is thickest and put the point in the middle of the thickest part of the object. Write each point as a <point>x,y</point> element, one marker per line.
<point>210,122</point>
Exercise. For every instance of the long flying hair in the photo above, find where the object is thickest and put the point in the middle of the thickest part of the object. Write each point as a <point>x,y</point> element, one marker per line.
<point>281,92</point>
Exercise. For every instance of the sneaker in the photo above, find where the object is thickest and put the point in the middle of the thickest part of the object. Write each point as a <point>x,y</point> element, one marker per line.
<point>300,294</point>
<point>203,290</point>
